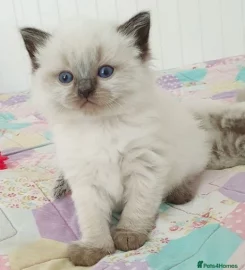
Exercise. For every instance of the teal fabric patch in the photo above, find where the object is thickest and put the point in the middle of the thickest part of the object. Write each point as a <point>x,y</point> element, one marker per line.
<point>14,126</point>
<point>48,135</point>
<point>6,116</point>
<point>115,217</point>
<point>211,244</point>
<point>241,75</point>
<point>5,122</point>
<point>192,75</point>
<point>163,207</point>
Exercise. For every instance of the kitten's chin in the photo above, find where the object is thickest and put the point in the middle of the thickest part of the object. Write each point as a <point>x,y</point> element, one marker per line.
<point>86,107</point>
<point>89,107</point>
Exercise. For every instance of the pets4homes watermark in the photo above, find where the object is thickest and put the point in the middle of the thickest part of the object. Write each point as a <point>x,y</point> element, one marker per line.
<point>202,264</point>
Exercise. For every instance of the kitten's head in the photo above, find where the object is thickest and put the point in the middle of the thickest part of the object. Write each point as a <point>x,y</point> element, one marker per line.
<point>90,67</point>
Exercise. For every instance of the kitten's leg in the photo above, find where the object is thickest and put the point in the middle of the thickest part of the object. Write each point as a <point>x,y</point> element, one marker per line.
<point>94,192</point>
<point>61,187</point>
<point>143,195</point>
<point>183,193</point>
<point>93,209</point>
<point>138,216</point>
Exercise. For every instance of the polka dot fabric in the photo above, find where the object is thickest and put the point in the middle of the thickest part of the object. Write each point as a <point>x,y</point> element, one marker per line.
<point>235,221</point>
<point>169,82</point>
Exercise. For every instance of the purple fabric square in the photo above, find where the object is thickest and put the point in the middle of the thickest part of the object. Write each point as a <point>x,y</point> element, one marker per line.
<point>15,100</point>
<point>235,188</point>
<point>58,221</point>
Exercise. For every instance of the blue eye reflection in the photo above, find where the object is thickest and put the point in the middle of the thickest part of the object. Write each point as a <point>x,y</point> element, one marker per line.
<point>105,71</point>
<point>65,77</point>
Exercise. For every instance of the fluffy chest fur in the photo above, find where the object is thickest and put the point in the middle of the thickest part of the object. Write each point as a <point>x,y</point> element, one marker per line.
<point>166,134</point>
<point>100,146</point>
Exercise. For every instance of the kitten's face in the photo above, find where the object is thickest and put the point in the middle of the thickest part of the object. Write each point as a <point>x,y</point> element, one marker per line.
<point>90,68</point>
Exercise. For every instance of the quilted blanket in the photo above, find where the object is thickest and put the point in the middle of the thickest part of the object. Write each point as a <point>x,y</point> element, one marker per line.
<point>208,232</point>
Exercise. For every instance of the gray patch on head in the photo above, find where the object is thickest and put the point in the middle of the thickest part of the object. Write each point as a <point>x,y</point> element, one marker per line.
<point>215,121</point>
<point>33,39</point>
<point>226,131</point>
<point>215,150</point>
<point>236,125</point>
<point>86,73</point>
<point>228,151</point>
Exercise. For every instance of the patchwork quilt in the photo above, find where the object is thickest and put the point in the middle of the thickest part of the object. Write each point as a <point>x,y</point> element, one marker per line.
<point>207,232</point>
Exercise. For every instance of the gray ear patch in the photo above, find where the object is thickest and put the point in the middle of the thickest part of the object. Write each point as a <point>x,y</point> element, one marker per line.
<point>138,27</point>
<point>33,39</point>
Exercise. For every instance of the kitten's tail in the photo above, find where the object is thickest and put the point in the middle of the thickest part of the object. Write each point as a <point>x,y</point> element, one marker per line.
<point>240,97</point>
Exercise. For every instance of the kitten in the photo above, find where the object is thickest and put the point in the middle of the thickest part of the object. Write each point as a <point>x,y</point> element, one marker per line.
<point>120,142</point>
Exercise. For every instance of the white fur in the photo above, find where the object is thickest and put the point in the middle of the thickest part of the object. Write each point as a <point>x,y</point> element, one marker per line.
<point>126,156</point>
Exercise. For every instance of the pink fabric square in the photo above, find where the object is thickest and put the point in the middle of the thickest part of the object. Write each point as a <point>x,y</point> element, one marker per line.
<point>235,220</point>
<point>4,263</point>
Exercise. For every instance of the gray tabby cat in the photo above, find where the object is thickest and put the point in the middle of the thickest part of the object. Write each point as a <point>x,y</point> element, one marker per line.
<point>226,127</point>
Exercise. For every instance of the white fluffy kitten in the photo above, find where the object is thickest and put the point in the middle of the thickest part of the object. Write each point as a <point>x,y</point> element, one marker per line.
<point>121,143</point>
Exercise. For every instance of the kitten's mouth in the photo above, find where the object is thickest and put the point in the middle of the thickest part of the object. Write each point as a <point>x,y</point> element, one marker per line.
<point>88,103</point>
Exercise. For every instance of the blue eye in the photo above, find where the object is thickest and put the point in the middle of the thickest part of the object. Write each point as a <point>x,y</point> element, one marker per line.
<point>65,77</point>
<point>105,71</point>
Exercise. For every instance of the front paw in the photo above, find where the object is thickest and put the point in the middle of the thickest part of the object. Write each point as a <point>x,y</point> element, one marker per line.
<point>84,255</point>
<point>126,240</point>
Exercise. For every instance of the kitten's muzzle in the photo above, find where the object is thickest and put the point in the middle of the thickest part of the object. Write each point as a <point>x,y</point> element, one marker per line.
<point>86,87</point>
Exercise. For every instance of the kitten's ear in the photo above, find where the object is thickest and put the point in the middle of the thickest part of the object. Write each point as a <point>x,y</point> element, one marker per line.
<point>33,39</point>
<point>138,27</point>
